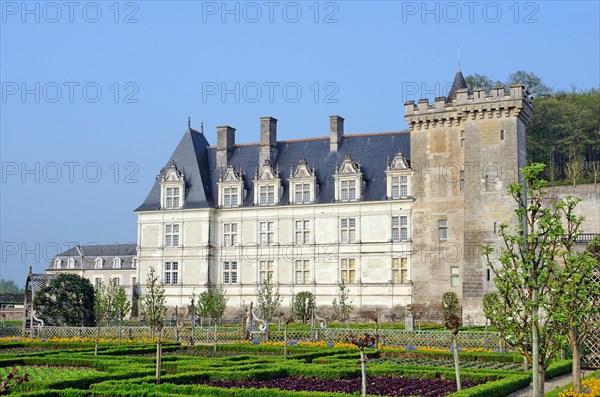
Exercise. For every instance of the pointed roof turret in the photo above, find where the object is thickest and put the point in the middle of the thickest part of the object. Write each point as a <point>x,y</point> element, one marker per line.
<point>458,83</point>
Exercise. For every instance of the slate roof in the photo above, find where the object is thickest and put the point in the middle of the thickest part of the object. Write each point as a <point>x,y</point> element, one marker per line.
<point>197,160</point>
<point>90,252</point>
<point>458,83</point>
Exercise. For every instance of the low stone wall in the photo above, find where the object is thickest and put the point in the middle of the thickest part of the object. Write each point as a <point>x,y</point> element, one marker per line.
<point>589,207</point>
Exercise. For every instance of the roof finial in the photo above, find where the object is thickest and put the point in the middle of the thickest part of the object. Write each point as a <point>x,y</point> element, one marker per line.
<point>459,58</point>
<point>189,122</point>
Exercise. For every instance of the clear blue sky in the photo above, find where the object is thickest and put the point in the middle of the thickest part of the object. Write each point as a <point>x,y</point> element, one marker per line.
<point>156,63</point>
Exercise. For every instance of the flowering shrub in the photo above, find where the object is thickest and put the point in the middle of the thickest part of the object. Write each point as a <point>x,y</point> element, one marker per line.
<point>591,387</point>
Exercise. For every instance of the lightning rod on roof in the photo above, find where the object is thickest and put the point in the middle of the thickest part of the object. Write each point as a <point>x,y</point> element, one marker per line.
<point>189,122</point>
<point>459,58</point>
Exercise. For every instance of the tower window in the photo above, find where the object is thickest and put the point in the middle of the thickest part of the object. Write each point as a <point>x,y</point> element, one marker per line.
<point>501,135</point>
<point>443,230</point>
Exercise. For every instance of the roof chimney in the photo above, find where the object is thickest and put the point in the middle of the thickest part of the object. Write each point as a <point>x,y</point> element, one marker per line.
<point>268,140</point>
<point>225,142</point>
<point>336,132</point>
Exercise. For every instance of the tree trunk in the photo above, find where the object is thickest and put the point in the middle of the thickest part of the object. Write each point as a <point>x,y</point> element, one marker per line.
<point>363,368</point>
<point>158,355</point>
<point>96,342</point>
<point>285,342</point>
<point>456,364</point>
<point>536,345</point>
<point>576,368</point>
<point>542,380</point>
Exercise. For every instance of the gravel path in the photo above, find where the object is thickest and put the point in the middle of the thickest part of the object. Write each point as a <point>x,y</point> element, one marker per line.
<point>548,386</point>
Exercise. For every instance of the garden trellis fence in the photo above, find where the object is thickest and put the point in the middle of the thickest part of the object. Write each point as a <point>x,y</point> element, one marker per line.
<point>228,334</point>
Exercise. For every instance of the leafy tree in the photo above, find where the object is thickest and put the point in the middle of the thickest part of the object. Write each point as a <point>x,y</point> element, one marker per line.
<point>219,302</point>
<point>594,248</point>
<point>342,305</point>
<point>577,303</point>
<point>204,306</point>
<point>154,305</point>
<point>9,287</point>
<point>594,171</point>
<point>477,80</point>
<point>104,302</point>
<point>303,304</point>
<point>154,301</point>
<point>532,82</point>
<point>451,312</point>
<point>67,300</point>
<point>269,301</point>
<point>526,274</point>
<point>122,305</point>
<point>211,304</point>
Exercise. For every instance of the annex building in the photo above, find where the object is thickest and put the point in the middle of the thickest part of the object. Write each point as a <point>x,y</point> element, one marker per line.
<point>399,217</point>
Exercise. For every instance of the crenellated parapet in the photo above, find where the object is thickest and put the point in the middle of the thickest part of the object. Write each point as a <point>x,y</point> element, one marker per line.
<point>498,103</point>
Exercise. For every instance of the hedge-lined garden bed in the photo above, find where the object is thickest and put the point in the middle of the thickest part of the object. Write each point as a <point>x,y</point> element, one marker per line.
<point>254,371</point>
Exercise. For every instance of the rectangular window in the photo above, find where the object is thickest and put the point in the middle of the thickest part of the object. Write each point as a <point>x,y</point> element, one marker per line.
<point>97,282</point>
<point>403,186</point>
<point>302,231</point>
<point>267,195</point>
<point>172,197</point>
<point>266,233</point>
<point>230,197</point>
<point>348,190</point>
<point>348,268</point>
<point>395,228</point>
<point>302,195</point>
<point>302,272</point>
<point>395,187</point>
<point>348,230</point>
<point>400,270</point>
<point>230,234</point>
<point>134,281</point>
<point>265,270</point>
<point>404,228</point>
<point>454,276</point>
<point>230,274</point>
<point>462,180</point>
<point>171,272</point>
<point>172,235</point>
<point>501,135</point>
<point>117,281</point>
<point>443,230</point>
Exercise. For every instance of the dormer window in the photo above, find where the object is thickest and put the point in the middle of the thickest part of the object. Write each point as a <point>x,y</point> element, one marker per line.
<point>117,263</point>
<point>231,188</point>
<point>71,263</point>
<point>134,264</point>
<point>303,183</point>
<point>57,264</point>
<point>98,263</point>
<point>348,180</point>
<point>267,185</point>
<point>172,183</point>
<point>398,178</point>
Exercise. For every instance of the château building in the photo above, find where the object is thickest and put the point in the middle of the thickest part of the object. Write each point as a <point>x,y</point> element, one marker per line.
<point>398,217</point>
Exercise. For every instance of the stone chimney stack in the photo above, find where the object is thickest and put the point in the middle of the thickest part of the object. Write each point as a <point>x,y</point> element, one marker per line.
<point>225,142</point>
<point>336,132</point>
<point>267,149</point>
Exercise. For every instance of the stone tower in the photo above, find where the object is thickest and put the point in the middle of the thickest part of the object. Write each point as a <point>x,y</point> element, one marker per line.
<point>465,150</point>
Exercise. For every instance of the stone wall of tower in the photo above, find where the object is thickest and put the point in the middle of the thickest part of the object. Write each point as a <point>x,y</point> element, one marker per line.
<point>465,153</point>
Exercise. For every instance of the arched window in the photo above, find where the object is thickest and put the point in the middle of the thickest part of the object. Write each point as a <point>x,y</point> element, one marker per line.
<point>71,263</point>
<point>117,263</point>
<point>57,263</point>
<point>99,263</point>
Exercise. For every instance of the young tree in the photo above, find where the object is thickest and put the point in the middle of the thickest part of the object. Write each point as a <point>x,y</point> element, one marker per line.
<point>204,306</point>
<point>361,342</point>
<point>574,171</point>
<point>269,301</point>
<point>154,305</point>
<point>594,171</point>
<point>342,305</point>
<point>219,303</point>
<point>103,307</point>
<point>303,303</point>
<point>67,300</point>
<point>525,275</point>
<point>577,305</point>
<point>451,312</point>
<point>121,305</point>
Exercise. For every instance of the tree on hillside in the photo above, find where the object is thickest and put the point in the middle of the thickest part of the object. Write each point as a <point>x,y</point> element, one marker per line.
<point>303,304</point>
<point>526,274</point>
<point>9,287</point>
<point>477,80</point>
<point>67,300</point>
<point>532,82</point>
